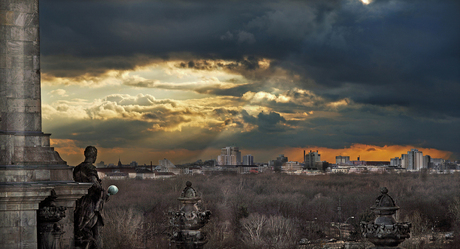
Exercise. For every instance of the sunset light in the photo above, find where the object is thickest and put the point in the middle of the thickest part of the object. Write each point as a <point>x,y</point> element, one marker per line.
<point>285,78</point>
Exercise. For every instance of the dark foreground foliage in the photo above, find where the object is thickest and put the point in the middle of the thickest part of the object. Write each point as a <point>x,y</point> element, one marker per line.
<point>275,210</point>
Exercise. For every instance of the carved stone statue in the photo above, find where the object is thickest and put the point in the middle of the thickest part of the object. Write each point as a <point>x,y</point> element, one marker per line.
<point>88,212</point>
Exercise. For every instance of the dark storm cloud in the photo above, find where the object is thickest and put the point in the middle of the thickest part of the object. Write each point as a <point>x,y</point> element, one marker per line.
<point>73,67</point>
<point>372,129</point>
<point>267,123</point>
<point>249,63</point>
<point>164,29</point>
<point>401,54</point>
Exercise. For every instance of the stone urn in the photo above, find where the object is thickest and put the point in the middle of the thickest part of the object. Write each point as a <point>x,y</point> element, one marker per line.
<point>188,220</point>
<point>384,231</point>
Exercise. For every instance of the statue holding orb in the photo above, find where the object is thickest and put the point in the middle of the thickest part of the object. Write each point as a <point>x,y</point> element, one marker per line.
<point>88,211</point>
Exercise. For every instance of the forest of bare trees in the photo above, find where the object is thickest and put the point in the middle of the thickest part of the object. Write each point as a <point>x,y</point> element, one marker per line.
<point>277,211</point>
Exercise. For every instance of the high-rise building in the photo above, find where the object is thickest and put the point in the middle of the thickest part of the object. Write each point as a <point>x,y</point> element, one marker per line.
<point>283,159</point>
<point>248,160</point>
<point>229,156</point>
<point>342,160</point>
<point>404,161</point>
<point>414,160</point>
<point>311,158</point>
<point>426,161</point>
<point>395,161</point>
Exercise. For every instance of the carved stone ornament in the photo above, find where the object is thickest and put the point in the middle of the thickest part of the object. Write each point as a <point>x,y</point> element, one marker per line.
<point>188,220</point>
<point>49,230</point>
<point>384,231</point>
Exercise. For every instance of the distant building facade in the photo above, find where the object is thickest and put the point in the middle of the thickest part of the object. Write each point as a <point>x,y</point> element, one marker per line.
<point>278,162</point>
<point>438,163</point>
<point>396,162</point>
<point>229,156</point>
<point>312,159</point>
<point>342,160</point>
<point>248,160</point>
<point>291,167</point>
<point>413,160</point>
<point>167,166</point>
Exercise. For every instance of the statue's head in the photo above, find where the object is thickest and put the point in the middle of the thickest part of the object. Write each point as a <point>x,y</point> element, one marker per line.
<point>90,154</point>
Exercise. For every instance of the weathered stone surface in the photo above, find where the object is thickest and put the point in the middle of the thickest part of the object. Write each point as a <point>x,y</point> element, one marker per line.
<point>29,168</point>
<point>9,219</point>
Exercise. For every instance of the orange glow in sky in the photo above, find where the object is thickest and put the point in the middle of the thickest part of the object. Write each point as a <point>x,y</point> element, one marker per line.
<point>71,153</point>
<point>366,152</point>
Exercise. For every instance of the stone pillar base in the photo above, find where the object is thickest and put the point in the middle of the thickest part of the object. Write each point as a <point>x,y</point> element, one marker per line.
<point>19,203</point>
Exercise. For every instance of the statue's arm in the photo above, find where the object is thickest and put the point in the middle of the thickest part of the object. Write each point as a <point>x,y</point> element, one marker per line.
<point>96,182</point>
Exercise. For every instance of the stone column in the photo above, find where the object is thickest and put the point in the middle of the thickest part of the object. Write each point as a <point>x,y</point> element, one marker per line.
<point>29,168</point>
<point>21,136</point>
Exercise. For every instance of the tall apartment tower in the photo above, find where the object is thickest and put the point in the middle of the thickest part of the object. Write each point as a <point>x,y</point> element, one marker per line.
<point>311,158</point>
<point>229,156</point>
<point>395,161</point>
<point>414,160</point>
<point>248,160</point>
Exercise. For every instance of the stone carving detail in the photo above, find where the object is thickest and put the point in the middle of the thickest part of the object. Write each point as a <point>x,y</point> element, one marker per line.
<point>188,220</point>
<point>384,231</point>
<point>49,230</point>
<point>88,211</point>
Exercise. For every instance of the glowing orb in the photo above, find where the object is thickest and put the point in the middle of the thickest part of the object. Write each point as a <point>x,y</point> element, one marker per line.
<point>112,190</point>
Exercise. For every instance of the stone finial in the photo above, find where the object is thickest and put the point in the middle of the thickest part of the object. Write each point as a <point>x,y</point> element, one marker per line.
<point>188,220</point>
<point>188,191</point>
<point>385,231</point>
<point>384,204</point>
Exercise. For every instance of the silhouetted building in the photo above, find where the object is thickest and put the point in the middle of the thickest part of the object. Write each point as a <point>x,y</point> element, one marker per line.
<point>278,162</point>
<point>311,159</point>
<point>283,159</point>
<point>100,164</point>
<point>167,166</point>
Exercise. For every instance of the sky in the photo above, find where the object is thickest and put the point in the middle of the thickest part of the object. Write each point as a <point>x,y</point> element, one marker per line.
<point>144,80</point>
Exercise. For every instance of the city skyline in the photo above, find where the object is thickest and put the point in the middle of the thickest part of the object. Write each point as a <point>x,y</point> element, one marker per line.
<point>330,158</point>
<point>146,80</point>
